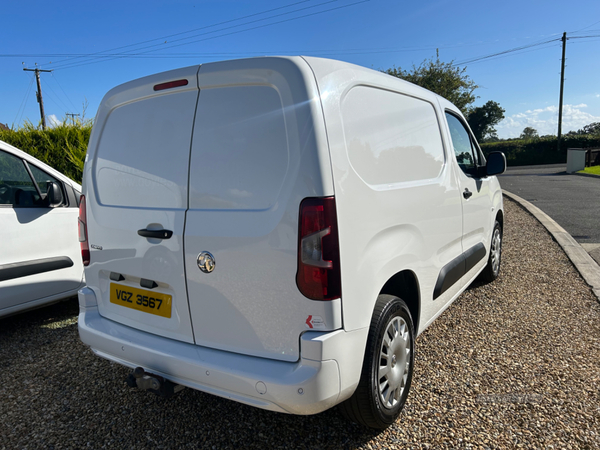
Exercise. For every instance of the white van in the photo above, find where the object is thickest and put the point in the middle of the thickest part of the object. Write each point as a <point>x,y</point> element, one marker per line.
<point>277,231</point>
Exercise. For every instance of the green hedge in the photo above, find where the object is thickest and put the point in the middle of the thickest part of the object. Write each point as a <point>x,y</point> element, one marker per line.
<point>63,147</point>
<point>522,152</point>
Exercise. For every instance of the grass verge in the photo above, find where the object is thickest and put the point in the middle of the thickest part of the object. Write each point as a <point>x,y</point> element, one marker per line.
<point>594,170</point>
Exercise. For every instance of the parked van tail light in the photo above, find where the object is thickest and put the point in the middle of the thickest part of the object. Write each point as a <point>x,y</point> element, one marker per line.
<point>318,276</point>
<point>83,242</point>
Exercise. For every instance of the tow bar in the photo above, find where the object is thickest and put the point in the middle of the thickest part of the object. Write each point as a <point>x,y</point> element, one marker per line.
<point>146,381</point>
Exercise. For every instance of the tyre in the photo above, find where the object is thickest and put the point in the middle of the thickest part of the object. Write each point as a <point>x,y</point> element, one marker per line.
<point>387,367</point>
<point>492,270</point>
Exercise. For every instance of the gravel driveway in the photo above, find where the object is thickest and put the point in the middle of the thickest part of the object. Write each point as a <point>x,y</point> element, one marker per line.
<point>512,364</point>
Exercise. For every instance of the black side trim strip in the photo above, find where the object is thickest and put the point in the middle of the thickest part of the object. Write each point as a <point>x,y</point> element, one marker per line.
<point>450,274</point>
<point>455,269</point>
<point>24,269</point>
<point>473,256</point>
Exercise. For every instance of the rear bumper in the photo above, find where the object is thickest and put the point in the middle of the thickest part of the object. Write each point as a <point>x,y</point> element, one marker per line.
<point>313,384</point>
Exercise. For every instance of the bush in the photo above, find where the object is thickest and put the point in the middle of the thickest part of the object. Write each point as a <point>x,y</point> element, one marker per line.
<point>62,147</point>
<point>522,152</point>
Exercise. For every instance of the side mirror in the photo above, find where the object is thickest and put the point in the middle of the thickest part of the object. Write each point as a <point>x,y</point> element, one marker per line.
<point>54,195</point>
<point>496,163</point>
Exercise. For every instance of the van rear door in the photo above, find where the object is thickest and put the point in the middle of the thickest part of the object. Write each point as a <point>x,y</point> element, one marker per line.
<point>254,158</point>
<point>137,192</point>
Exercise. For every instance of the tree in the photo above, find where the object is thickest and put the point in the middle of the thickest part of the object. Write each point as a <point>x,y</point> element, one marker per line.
<point>444,79</point>
<point>592,128</point>
<point>482,120</point>
<point>529,133</point>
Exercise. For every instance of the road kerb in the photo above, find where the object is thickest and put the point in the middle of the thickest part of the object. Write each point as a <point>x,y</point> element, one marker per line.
<point>583,262</point>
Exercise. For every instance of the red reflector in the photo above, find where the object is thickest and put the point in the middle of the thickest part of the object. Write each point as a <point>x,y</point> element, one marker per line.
<point>318,276</point>
<point>83,242</point>
<point>170,84</point>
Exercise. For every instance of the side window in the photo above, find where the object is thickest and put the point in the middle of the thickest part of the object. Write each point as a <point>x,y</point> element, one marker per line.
<point>466,153</point>
<point>42,179</point>
<point>391,137</point>
<point>16,187</point>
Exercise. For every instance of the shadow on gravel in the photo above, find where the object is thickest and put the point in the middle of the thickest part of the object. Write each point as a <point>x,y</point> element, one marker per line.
<point>79,399</point>
<point>47,314</point>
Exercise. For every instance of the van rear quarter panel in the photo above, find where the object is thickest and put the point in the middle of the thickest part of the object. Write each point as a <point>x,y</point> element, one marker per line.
<point>390,220</point>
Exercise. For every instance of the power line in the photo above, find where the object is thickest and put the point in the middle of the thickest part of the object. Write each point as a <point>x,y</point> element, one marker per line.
<point>56,99</point>
<point>508,55</point>
<point>161,44</point>
<point>235,32</point>
<point>195,29</point>
<point>25,97</point>
<point>518,49</point>
<point>584,28</point>
<point>584,37</point>
<point>61,88</point>
<point>258,52</point>
<point>504,52</point>
<point>261,52</point>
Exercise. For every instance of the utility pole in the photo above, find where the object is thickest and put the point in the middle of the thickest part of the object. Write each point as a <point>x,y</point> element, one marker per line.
<point>562,85</point>
<point>72,117</point>
<point>39,93</point>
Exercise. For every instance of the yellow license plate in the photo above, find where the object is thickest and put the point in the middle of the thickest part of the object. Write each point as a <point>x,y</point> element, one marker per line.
<point>141,300</point>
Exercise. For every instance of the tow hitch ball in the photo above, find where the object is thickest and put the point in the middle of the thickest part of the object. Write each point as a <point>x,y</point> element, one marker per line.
<point>149,382</point>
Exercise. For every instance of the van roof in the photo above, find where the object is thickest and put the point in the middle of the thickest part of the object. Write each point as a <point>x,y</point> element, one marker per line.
<point>322,68</point>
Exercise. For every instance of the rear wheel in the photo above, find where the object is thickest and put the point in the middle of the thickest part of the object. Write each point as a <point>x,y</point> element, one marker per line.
<point>387,368</point>
<point>492,270</point>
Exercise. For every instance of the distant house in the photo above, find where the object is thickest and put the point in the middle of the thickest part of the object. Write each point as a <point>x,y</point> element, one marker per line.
<point>4,127</point>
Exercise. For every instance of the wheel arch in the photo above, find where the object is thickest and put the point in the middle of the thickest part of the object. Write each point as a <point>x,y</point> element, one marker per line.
<point>500,218</point>
<point>405,285</point>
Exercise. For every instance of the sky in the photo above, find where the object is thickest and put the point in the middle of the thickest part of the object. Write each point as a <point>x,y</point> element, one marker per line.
<point>92,47</point>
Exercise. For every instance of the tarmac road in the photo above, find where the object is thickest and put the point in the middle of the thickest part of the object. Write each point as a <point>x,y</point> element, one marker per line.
<point>571,200</point>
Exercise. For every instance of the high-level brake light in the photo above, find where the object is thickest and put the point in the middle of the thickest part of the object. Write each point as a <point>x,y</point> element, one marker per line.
<point>170,84</point>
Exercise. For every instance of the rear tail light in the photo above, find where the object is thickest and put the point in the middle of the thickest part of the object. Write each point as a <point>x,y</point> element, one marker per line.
<point>83,241</point>
<point>318,276</point>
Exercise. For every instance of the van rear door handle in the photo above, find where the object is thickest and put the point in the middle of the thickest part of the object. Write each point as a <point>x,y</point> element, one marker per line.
<point>156,234</point>
<point>467,193</point>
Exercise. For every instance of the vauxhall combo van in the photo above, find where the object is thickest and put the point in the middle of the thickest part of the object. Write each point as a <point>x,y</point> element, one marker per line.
<point>277,231</point>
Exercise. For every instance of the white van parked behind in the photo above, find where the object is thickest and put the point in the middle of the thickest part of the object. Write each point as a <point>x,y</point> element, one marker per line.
<point>277,231</point>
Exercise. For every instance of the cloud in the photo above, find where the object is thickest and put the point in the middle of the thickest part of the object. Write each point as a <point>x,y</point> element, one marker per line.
<point>52,121</point>
<point>545,120</point>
